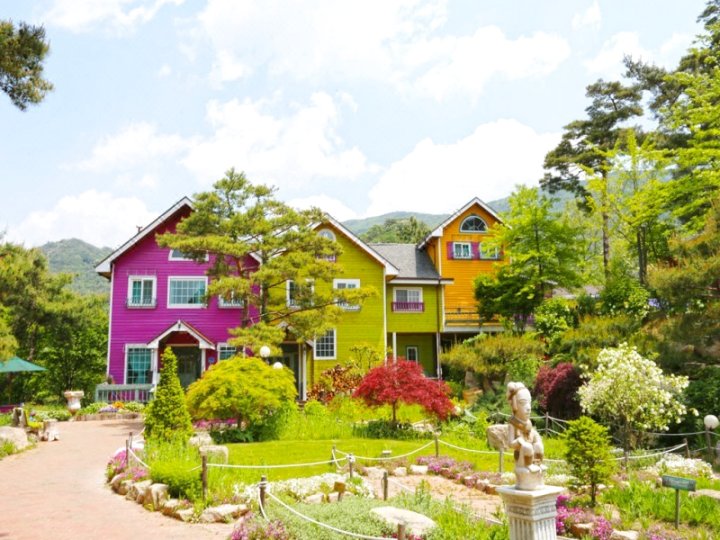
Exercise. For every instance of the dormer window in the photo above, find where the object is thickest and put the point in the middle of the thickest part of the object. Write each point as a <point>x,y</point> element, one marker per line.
<point>327,233</point>
<point>473,224</point>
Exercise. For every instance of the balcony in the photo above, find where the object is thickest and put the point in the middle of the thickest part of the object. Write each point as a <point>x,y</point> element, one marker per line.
<point>462,316</point>
<point>408,307</point>
<point>141,303</point>
<point>110,393</point>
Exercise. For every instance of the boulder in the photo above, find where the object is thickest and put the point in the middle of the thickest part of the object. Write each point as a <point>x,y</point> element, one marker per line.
<point>315,498</point>
<point>216,453</point>
<point>158,495</point>
<point>186,515</point>
<point>333,497</point>
<point>418,469</point>
<point>124,487</point>
<point>581,530</point>
<point>400,471</point>
<point>201,438</point>
<point>136,490</point>
<point>713,494</point>
<point>625,535</point>
<point>171,506</point>
<point>373,473</point>
<point>481,485</point>
<point>491,489</point>
<point>116,481</point>
<point>225,513</point>
<point>415,524</point>
<point>14,435</point>
<point>497,436</point>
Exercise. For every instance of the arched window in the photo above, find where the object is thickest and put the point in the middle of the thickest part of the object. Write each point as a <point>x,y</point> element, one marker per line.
<point>327,234</point>
<point>473,224</point>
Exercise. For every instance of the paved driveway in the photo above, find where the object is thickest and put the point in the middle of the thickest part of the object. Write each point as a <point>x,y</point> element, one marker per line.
<point>57,491</point>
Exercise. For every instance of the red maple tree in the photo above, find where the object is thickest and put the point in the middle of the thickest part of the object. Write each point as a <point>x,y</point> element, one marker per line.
<point>405,382</point>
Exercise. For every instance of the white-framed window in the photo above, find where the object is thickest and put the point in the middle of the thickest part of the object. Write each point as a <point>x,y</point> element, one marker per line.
<point>292,292</point>
<point>138,364</point>
<point>341,284</point>
<point>473,224</point>
<point>326,345</point>
<point>231,302</point>
<point>411,353</point>
<point>141,292</point>
<point>187,292</point>
<point>225,351</point>
<point>408,299</point>
<point>177,255</point>
<point>462,250</point>
<point>490,252</point>
<point>327,233</point>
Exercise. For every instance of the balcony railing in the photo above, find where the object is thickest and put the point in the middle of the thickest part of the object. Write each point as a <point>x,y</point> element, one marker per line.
<point>110,393</point>
<point>462,317</point>
<point>146,303</point>
<point>408,307</point>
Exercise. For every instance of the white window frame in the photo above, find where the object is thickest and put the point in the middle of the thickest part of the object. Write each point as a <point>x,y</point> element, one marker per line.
<point>221,346</point>
<point>458,254</point>
<point>355,285</point>
<point>232,304</point>
<point>153,303</point>
<point>417,353</point>
<point>484,253</point>
<point>473,232</point>
<point>288,301</point>
<point>327,233</point>
<point>334,351</point>
<point>143,346</point>
<point>185,278</point>
<point>171,258</point>
<point>416,289</point>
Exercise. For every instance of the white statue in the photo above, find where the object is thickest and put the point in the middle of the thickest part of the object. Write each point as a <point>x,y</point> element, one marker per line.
<point>524,439</point>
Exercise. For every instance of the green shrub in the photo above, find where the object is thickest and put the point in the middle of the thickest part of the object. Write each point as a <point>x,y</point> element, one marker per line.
<point>6,448</point>
<point>589,453</point>
<point>182,481</point>
<point>134,406</point>
<point>167,417</point>
<point>61,415</point>
<point>5,419</point>
<point>553,317</point>
<point>93,408</point>
<point>386,429</point>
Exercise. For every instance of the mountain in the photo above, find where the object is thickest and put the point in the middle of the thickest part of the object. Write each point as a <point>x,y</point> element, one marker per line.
<point>73,256</point>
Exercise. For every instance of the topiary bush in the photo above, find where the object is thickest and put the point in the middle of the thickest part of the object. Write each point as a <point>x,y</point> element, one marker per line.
<point>167,417</point>
<point>589,453</point>
<point>557,388</point>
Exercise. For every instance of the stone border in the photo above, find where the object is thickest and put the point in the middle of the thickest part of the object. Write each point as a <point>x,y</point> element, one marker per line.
<point>108,416</point>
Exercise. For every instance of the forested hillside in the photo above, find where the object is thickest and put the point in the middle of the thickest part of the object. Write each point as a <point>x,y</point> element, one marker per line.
<point>73,256</point>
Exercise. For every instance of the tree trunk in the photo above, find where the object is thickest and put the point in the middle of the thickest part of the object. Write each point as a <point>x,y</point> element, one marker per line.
<point>642,254</point>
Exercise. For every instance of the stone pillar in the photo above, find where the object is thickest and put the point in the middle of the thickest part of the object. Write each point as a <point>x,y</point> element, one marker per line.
<point>531,514</point>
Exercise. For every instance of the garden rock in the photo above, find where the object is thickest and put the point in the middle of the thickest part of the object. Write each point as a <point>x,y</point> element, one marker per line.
<point>625,535</point>
<point>400,471</point>
<point>581,530</point>
<point>171,507</point>
<point>125,486</point>
<point>713,494</point>
<point>315,498</point>
<point>333,497</point>
<point>491,489</point>
<point>158,495</point>
<point>497,436</point>
<point>15,435</point>
<point>374,473</point>
<point>136,491</point>
<point>214,452</point>
<point>115,482</point>
<point>201,438</point>
<point>224,513</point>
<point>418,469</point>
<point>416,524</point>
<point>186,515</point>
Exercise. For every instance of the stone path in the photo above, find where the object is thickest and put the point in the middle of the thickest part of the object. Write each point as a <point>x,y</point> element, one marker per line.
<point>57,491</point>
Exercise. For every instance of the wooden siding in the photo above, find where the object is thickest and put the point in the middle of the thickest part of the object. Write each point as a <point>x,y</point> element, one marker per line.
<point>141,325</point>
<point>426,349</point>
<point>425,321</point>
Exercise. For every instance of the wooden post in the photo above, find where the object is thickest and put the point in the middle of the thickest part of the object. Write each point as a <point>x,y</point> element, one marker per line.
<point>351,460</point>
<point>437,446</point>
<point>547,423</point>
<point>708,442</point>
<point>127,451</point>
<point>263,486</point>
<point>501,461</point>
<point>687,448</point>
<point>334,455</point>
<point>401,531</point>
<point>204,477</point>
<point>385,485</point>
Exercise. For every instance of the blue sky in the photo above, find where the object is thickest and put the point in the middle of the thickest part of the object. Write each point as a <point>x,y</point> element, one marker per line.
<point>359,107</point>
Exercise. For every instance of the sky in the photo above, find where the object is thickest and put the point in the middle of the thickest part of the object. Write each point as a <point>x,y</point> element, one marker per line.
<point>357,107</point>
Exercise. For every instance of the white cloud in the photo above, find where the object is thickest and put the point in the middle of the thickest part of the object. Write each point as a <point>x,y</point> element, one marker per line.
<point>398,42</point>
<point>590,18</point>
<point>442,177</point>
<point>289,151</point>
<point>675,47</point>
<point>135,144</point>
<point>609,61</point>
<point>99,218</point>
<point>332,206</point>
<point>118,16</point>
<point>164,71</point>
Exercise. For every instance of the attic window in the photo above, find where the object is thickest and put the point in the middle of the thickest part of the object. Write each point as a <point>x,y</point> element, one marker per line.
<point>473,224</point>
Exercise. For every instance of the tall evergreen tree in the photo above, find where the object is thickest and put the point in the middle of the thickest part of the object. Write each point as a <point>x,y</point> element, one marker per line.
<point>167,416</point>
<point>22,51</point>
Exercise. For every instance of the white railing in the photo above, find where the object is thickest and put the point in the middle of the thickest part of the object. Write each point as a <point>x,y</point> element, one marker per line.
<point>110,393</point>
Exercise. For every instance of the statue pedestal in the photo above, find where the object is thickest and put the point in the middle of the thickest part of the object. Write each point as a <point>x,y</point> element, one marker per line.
<point>531,514</point>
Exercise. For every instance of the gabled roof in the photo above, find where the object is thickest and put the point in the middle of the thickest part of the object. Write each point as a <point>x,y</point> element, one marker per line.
<point>390,268</point>
<point>104,266</point>
<point>181,326</point>
<point>438,231</point>
<point>413,264</point>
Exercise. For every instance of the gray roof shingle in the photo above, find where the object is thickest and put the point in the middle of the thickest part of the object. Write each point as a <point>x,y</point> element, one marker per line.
<point>409,260</point>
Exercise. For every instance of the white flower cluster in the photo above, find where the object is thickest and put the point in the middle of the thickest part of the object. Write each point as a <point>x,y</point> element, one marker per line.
<point>560,480</point>
<point>633,391</point>
<point>508,478</point>
<point>300,488</point>
<point>674,464</point>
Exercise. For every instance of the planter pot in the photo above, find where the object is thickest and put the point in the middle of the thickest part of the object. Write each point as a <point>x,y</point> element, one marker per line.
<point>73,398</point>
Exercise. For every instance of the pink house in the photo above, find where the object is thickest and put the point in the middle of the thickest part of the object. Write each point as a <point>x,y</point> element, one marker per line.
<point>157,300</point>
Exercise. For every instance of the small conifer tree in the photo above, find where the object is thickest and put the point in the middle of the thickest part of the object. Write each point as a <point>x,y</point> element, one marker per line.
<point>588,452</point>
<point>167,416</point>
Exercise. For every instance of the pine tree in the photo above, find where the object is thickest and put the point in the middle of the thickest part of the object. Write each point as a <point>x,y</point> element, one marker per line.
<point>167,416</point>
<point>589,453</point>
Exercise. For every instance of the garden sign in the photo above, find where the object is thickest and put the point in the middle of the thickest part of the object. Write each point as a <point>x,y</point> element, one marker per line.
<point>678,483</point>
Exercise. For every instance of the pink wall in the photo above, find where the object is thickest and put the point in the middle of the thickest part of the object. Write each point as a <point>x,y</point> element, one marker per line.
<point>142,325</point>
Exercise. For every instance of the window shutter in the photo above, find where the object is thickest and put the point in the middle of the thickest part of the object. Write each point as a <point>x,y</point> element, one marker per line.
<point>450,250</point>
<point>475,246</point>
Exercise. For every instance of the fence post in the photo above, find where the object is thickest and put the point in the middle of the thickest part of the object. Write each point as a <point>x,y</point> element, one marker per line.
<point>128,446</point>
<point>334,455</point>
<point>263,486</point>
<point>351,460</point>
<point>437,446</point>
<point>385,485</point>
<point>401,531</point>
<point>204,477</point>
<point>687,448</point>
<point>708,442</point>
<point>501,461</point>
<point>547,423</point>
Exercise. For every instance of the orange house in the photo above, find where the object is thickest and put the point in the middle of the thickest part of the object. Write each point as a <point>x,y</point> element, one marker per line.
<point>460,250</point>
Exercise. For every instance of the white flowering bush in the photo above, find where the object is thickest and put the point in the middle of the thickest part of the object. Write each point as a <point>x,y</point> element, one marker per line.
<point>632,392</point>
<point>674,464</point>
<point>301,488</point>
